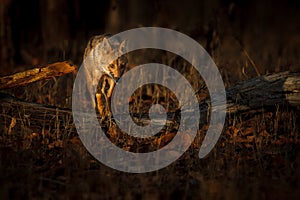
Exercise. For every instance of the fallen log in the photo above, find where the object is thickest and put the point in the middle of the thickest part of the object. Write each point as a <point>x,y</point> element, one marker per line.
<point>264,91</point>
<point>251,95</point>
<point>31,117</point>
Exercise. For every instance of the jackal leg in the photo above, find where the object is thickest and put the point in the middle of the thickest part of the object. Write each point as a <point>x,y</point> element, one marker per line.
<point>103,107</point>
<point>111,87</point>
<point>100,106</point>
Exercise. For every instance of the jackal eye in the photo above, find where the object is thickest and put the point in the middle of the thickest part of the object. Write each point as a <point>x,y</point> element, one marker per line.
<point>112,66</point>
<point>122,61</point>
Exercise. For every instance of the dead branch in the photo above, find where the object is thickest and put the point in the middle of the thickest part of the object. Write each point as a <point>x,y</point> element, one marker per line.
<point>36,74</point>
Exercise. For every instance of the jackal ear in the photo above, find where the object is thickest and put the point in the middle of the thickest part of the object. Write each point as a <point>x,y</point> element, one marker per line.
<point>106,45</point>
<point>122,46</point>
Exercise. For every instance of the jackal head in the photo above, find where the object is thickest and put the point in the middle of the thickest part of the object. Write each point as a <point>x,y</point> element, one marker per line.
<point>101,50</point>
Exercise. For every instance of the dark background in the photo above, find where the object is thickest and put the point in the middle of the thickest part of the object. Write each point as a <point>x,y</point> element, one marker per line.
<point>245,39</point>
<point>38,32</point>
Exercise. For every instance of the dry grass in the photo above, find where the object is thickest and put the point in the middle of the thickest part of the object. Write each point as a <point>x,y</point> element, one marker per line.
<point>249,161</point>
<point>255,158</point>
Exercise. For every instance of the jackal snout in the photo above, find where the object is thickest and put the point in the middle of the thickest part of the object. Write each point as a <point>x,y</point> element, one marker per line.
<point>116,69</point>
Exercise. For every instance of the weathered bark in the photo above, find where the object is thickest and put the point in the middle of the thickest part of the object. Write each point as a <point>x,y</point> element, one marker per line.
<point>32,117</point>
<point>252,95</point>
<point>36,74</point>
<point>269,90</point>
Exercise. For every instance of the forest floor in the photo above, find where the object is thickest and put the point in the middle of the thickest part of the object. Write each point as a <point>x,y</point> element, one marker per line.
<point>256,157</point>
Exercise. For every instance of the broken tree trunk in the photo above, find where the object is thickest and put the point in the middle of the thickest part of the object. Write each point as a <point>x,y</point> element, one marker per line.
<point>264,91</point>
<point>36,74</point>
<point>252,95</point>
